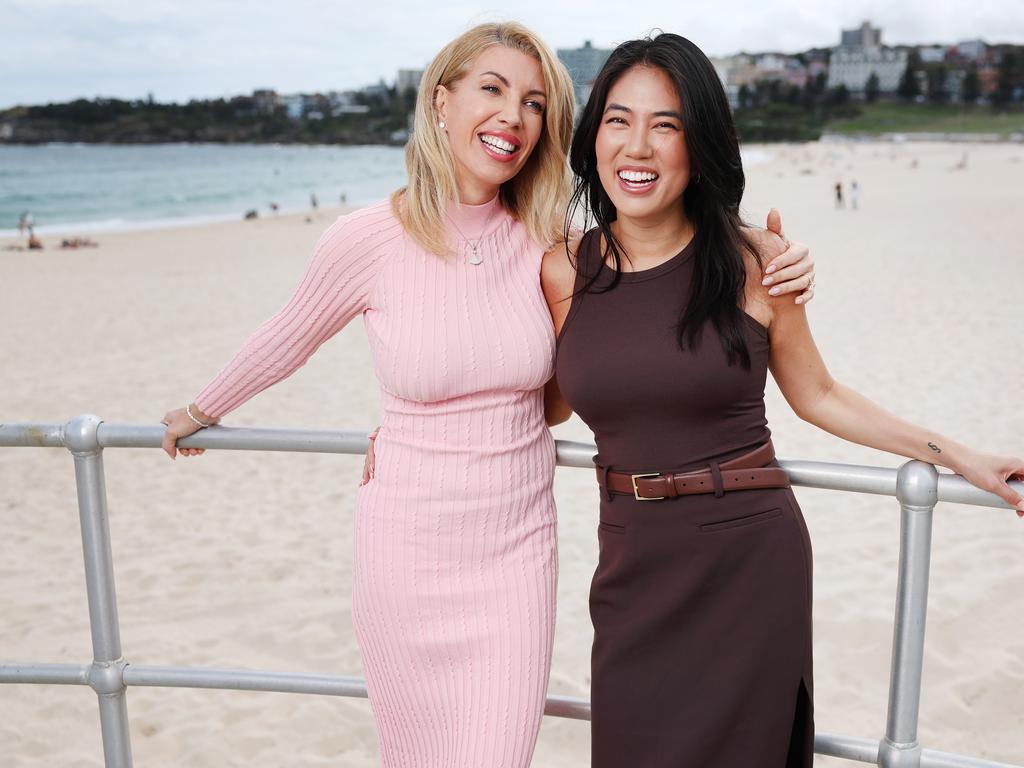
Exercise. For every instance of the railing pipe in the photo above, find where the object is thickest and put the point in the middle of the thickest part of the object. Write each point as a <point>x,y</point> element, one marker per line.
<point>49,674</point>
<point>808,474</point>
<point>917,491</point>
<point>244,680</point>
<point>81,439</point>
<point>847,747</point>
<point>23,435</point>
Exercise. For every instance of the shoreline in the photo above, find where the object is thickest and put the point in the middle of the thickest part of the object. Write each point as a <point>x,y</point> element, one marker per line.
<point>51,239</point>
<point>753,155</point>
<point>10,237</point>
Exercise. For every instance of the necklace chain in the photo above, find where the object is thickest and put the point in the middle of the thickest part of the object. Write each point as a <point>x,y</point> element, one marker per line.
<point>475,259</point>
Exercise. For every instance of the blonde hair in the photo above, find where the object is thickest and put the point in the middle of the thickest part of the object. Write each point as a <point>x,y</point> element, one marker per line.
<point>536,196</point>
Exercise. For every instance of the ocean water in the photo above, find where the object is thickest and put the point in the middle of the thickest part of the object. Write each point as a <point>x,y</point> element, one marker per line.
<point>81,189</point>
<point>77,188</point>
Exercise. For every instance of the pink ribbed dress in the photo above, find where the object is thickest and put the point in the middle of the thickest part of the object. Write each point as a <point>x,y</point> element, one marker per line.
<point>455,561</point>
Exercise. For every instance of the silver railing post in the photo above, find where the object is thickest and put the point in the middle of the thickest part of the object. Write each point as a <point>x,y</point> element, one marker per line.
<point>917,491</point>
<point>106,672</point>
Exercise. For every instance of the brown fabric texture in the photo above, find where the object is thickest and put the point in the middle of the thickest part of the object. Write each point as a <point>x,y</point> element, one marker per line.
<point>702,603</point>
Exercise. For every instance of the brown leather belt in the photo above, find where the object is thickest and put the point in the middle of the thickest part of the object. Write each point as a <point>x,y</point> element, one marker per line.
<point>745,472</point>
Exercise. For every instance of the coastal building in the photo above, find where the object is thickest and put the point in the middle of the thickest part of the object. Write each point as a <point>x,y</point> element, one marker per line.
<point>345,103</point>
<point>293,105</point>
<point>583,65</point>
<point>972,50</point>
<point>378,90</point>
<point>749,69</point>
<point>861,54</point>
<point>865,36</point>
<point>932,54</point>
<point>408,79</point>
<point>266,100</point>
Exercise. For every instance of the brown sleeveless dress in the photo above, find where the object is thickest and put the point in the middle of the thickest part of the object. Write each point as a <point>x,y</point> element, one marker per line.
<point>701,605</point>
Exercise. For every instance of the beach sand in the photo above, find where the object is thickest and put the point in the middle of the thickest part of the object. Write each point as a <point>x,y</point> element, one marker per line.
<point>243,559</point>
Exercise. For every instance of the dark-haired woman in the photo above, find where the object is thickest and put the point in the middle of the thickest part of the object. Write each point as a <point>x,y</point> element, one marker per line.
<point>701,601</point>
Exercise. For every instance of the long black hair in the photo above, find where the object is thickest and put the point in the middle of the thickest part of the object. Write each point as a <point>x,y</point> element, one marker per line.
<point>711,200</point>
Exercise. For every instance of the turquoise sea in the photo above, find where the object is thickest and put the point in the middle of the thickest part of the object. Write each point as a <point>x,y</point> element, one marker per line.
<point>85,188</point>
<point>77,188</point>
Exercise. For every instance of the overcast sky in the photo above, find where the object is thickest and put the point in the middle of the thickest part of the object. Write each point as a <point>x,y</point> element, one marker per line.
<point>56,50</point>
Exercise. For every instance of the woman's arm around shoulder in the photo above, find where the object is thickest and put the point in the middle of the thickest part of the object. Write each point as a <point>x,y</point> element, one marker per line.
<point>558,278</point>
<point>786,267</point>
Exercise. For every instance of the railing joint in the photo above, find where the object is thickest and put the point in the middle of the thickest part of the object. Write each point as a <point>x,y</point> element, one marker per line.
<point>917,485</point>
<point>899,755</point>
<point>107,677</point>
<point>81,434</point>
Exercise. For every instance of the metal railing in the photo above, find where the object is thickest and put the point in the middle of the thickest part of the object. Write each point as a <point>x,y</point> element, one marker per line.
<point>916,485</point>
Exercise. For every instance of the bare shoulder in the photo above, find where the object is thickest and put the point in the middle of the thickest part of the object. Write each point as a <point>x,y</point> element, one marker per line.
<point>758,303</point>
<point>557,273</point>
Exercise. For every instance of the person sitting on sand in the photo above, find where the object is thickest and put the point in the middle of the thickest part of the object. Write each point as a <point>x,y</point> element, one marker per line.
<point>34,243</point>
<point>78,242</point>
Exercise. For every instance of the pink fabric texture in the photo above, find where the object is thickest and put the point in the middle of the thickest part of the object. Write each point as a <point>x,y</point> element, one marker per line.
<point>455,562</point>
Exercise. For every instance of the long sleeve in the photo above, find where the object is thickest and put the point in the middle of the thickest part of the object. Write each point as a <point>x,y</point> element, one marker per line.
<point>335,288</point>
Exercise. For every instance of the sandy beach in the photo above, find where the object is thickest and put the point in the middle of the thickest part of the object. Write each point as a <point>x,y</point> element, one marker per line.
<point>245,559</point>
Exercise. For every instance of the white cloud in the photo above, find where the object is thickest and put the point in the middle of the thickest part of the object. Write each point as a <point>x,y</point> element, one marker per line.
<point>58,49</point>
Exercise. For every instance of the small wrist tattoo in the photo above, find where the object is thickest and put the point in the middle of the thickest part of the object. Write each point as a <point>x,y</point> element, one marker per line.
<point>934,447</point>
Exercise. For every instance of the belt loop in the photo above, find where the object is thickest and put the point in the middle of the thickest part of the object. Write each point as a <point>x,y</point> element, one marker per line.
<point>716,473</point>
<point>604,482</point>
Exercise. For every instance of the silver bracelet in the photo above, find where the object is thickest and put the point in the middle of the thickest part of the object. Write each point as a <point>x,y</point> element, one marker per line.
<point>188,410</point>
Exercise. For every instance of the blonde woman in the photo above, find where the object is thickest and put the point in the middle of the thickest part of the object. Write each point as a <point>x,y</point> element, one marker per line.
<point>455,562</point>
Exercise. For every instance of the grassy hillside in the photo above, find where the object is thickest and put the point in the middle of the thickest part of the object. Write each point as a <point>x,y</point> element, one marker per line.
<point>899,117</point>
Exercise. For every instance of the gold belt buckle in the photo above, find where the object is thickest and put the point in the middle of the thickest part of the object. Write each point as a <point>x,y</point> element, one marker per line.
<point>636,493</point>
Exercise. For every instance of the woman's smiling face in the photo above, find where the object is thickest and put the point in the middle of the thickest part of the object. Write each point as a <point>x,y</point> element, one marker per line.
<point>642,159</point>
<point>494,117</point>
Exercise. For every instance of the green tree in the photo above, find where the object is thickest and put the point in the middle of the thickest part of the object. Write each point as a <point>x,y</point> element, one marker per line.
<point>908,88</point>
<point>1005,83</point>
<point>971,87</point>
<point>937,84</point>
<point>837,96</point>
<point>872,88</point>
<point>744,96</point>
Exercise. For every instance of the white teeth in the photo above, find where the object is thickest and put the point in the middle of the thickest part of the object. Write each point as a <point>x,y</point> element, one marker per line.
<point>637,176</point>
<point>499,144</point>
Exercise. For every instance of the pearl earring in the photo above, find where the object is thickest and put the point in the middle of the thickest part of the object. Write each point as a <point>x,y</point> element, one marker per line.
<point>441,125</point>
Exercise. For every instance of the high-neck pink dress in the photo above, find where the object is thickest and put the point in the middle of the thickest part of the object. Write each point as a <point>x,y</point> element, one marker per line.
<point>455,561</point>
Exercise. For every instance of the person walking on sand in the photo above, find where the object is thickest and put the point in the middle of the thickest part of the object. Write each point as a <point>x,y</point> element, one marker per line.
<point>854,195</point>
<point>455,563</point>
<point>839,195</point>
<point>24,223</point>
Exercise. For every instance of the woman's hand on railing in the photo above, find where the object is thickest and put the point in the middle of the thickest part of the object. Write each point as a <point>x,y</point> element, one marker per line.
<point>368,462</point>
<point>991,473</point>
<point>180,425</point>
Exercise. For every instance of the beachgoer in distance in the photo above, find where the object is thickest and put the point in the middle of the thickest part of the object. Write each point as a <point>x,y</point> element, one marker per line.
<point>839,195</point>
<point>701,600</point>
<point>455,561</point>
